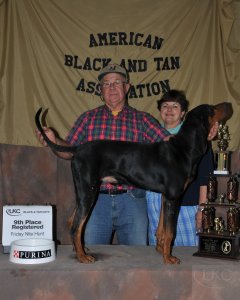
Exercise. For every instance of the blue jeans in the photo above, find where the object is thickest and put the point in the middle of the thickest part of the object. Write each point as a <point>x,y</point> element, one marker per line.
<point>126,214</point>
<point>186,224</point>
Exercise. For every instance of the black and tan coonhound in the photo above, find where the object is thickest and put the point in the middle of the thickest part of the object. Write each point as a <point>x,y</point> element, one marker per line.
<point>165,167</point>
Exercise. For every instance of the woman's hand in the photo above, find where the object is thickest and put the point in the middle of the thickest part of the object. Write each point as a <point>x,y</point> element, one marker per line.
<point>198,219</point>
<point>213,132</point>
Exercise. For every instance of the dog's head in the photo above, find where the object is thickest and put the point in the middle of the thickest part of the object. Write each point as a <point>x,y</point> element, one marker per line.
<point>207,115</point>
<point>222,112</point>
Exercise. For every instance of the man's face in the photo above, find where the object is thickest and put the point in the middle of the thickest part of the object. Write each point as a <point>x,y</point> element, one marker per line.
<point>114,89</point>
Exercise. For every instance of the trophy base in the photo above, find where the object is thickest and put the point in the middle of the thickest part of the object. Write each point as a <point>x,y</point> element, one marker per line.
<point>221,172</point>
<point>222,245</point>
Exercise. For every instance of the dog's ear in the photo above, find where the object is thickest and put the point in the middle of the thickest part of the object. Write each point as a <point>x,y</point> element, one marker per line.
<point>223,112</point>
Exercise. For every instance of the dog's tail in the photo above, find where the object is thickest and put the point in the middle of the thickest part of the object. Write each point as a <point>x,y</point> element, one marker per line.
<point>53,146</point>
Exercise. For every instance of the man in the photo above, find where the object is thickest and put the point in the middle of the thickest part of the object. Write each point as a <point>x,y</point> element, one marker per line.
<point>120,209</point>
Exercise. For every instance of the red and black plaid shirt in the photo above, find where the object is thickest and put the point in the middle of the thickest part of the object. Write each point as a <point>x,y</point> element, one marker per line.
<point>129,125</point>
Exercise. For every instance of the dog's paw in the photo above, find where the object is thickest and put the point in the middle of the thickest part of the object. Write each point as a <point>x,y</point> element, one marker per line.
<point>171,260</point>
<point>160,245</point>
<point>86,259</point>
<point>159,248</point>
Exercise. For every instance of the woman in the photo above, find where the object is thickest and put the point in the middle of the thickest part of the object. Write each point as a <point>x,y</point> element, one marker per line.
<point>173,107</point>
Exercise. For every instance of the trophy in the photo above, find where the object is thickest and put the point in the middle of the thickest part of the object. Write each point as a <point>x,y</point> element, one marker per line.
<point>232,220</point>
<point>212,188</point>
<point>208,216</point>
<point>232,189</point>
<point>222,156</point>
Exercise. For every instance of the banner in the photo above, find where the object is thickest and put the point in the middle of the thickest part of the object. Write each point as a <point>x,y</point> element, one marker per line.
<point>52,51</point>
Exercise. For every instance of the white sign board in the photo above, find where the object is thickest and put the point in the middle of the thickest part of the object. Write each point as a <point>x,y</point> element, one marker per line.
<point>26,222</point>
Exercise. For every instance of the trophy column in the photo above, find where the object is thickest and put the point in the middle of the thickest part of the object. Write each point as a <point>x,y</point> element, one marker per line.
<point>222,156</point>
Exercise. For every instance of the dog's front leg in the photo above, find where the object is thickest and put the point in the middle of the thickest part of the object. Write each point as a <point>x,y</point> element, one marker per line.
<point>170,213</point>
<point>160,232</point>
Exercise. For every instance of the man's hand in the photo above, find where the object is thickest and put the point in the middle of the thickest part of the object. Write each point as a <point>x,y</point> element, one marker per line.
<point>52,137</point>
<point>49,133</point>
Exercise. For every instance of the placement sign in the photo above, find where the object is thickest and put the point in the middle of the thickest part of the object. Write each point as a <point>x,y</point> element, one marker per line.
<point>26,222</point>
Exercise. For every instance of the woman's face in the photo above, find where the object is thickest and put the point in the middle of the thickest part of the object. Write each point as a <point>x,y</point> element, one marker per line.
<point>171,114</point>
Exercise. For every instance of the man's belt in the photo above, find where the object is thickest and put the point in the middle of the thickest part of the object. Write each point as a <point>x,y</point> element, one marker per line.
<point>113,192</point>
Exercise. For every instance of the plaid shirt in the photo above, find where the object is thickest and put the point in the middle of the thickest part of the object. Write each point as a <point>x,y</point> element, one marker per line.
<point>129,125</point>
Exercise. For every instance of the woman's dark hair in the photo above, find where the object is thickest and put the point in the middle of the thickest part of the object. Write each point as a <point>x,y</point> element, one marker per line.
<point>175,96</point>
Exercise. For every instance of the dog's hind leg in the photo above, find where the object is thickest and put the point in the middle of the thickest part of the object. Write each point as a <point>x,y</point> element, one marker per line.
<point>70,220</point>
<point>77,231</point>
<point>85,198</point>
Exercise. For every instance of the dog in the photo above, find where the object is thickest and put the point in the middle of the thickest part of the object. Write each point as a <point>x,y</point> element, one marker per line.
<point>166,167</point>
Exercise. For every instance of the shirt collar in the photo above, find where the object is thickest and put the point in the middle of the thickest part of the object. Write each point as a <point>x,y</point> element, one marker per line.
<point>175,129</point>
<point>108,110</point>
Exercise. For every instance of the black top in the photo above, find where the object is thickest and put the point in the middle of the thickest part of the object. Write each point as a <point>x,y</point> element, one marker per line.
<point>206,166</point>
